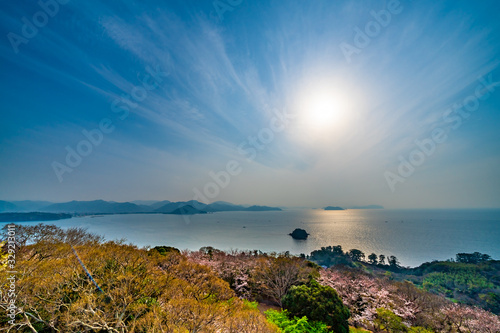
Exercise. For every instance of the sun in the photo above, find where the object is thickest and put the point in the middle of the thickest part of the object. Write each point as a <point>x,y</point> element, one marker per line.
<point>327,108</point>
<point>321,108</point>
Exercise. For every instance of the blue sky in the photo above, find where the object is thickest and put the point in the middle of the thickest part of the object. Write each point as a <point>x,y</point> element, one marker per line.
<point>217,74</point>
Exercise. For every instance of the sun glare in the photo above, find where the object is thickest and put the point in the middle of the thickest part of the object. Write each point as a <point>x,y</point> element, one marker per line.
<point>322,109</point>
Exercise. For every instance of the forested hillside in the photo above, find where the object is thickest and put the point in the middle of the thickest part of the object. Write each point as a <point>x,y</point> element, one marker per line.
<point>72,281</point>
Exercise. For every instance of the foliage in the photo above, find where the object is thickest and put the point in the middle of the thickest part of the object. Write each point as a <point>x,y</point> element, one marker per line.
<point>491,301</point>
<point>295,325</point>
<point>254,275</point>
<point>356,255</point>
<point>276,277</point>
<point>373,259</point>
<point>473,284</point>
<point>388,321</point>
<point>393,261</point>
<point>142,291</point>
<point>163,250</point>
<point>417,309</point>
<point>330,256</point>
<point>459,318</point>
<point>460,281</point>
<point>363,294</point>
<point>49,234</point>
<point>163,290</point>
<point>318,303</point>
<point>210,251</point>
<point>3,256</point>
<point>472,258</point>
<point>334,256</point>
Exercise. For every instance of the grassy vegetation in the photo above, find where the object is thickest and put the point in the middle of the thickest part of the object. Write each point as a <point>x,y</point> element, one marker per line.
<point>469,283</point>
<point>136,290</point>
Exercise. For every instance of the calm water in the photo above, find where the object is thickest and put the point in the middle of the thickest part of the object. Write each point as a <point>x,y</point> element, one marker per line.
<point>414,236</point>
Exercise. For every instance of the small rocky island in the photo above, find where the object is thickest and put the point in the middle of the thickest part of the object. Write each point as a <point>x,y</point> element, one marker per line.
<point>333,208</point>
<point>299,234</point>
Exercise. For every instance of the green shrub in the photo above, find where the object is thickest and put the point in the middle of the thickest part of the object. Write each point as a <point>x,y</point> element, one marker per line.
<point>163,250</point>
<point>295,325</point>
<point>318,303</point>
<point>388,321</point>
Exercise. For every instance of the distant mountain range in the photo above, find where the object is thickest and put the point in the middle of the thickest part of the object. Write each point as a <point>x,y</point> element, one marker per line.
<point>137,207</point>
<point>187,210</point>
<point>6,206</point>
<point>22,206</point>
<point>96,206</point>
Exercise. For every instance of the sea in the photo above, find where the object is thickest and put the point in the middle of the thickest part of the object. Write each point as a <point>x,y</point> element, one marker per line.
<point>413,236</point>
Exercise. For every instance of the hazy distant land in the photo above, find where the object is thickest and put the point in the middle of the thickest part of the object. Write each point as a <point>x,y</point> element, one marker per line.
<point>133,207</point>
<point>33,216</point>
<point>333,208</point>
<point>110,207</point>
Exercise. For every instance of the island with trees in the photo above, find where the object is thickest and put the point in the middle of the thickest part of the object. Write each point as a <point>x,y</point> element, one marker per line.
<point>300,234</point>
